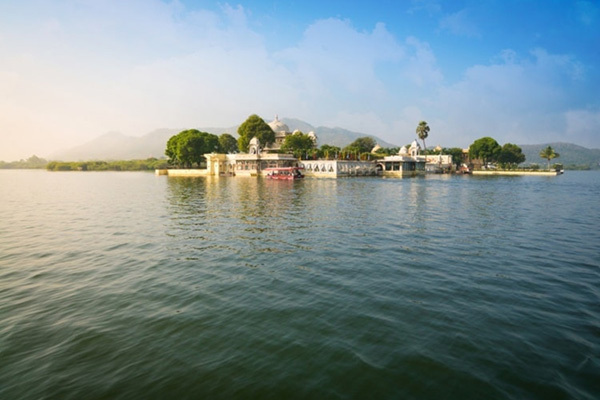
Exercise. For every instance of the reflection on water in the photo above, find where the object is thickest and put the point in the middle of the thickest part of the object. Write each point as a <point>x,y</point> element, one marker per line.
<point>137,286</point>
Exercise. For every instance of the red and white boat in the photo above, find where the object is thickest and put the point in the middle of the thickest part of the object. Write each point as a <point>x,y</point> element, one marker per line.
<point>284,173</point>
<point>464,169</point>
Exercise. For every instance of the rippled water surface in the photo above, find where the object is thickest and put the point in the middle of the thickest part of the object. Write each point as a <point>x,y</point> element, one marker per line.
<point>129,285</point>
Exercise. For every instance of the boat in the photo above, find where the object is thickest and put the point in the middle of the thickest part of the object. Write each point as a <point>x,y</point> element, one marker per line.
<point>464,169</point>
<point>284,173</point>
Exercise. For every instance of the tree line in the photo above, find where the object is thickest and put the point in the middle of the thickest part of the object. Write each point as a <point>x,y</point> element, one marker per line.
<point>507,156</point>
<point>149,164</point>
<point>188,147</point>
<point>300,144</point>
<point>33,162</point>
<point>489,151</point>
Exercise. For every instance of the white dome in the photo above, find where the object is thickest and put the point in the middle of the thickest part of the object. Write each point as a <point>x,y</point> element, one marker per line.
<point>278,126</point>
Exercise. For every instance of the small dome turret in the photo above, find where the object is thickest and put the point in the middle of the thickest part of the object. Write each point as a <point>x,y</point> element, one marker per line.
<point>254,146</point>
<point>414,148</point>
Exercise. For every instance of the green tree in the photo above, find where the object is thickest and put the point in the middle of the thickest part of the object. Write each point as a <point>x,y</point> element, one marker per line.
<point>548,153</point>
<point>388,151</point>
<point>423,132</point>
<point>298,144</point>
<point>486,149</point>
<point>361,145</point>
<point>510,155</point>
<point>188,147</point>
<point>254,126</point>
<point>171,151</point>
<point>227,143</point>
<point>328,151</point>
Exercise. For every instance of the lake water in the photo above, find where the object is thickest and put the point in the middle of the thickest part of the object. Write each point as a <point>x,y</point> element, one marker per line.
<point>130,285</point>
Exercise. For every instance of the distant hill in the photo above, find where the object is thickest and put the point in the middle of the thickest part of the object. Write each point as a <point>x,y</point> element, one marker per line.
<point>333,136</point>
<point>116,146</point>
<point>571,155</point>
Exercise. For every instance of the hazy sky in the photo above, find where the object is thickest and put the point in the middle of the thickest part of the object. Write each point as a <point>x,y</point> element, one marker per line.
<point>520,71</point>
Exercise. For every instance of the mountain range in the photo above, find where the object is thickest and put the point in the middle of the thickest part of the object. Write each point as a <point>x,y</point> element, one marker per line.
<point>571,155</point>
<point>116,146</point>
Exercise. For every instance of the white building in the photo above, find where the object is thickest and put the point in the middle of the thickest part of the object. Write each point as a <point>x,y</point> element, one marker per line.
<point>408,162</point>
<point>252,163</point>
<point>337,168</point>
<point>281,132</point>
<point>438,164</point>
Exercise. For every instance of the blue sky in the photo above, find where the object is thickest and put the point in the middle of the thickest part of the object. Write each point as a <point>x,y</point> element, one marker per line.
<point>523,72</point>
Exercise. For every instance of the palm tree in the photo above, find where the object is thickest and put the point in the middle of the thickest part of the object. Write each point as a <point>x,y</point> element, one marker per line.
<point>423,132</point>
<point>548,153</point>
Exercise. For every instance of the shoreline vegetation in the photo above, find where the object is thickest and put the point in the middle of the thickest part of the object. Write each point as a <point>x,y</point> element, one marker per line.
<point>152,164</point>
<point>34,162</point>
<point>149,164</point>
<point>187,149</point>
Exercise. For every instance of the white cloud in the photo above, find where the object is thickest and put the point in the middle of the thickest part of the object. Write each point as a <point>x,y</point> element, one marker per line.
<point>518,101</point>
<point>93,69</point>
<point>558,66</point>
<point>335,73</point>
<point>429,6</point>
<point>69,74</point>
<point>422,69</point>
<point>334,57</point>
<point>460,24</point>
<point>70,80</point>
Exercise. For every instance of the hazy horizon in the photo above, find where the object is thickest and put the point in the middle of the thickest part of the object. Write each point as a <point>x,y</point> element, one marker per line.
<point>71,71</point>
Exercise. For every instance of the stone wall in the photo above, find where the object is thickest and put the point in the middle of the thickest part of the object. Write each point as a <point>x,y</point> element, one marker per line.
<point>338,168</point>
<point>187,172</point>
<point>532,173</point>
